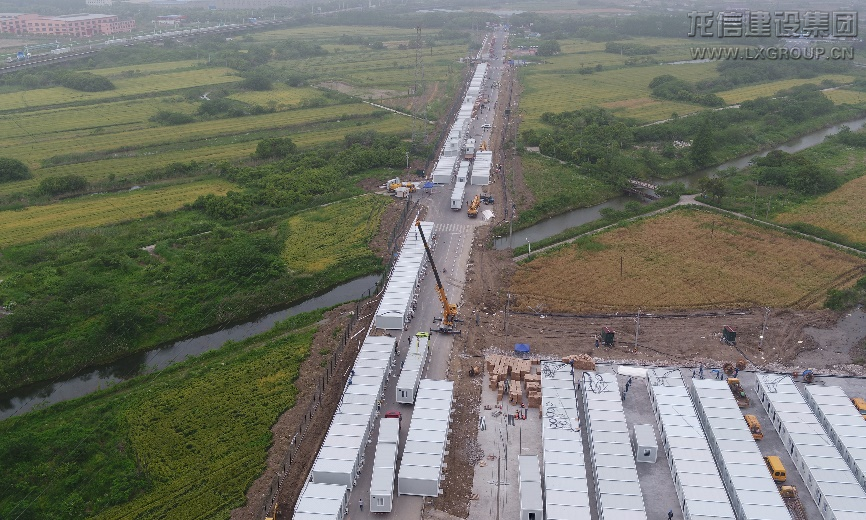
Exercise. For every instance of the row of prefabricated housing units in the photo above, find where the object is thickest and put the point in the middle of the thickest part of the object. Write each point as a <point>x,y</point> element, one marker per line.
<point>716,466</point>
<point>338,464</point>
<point>458,147</point>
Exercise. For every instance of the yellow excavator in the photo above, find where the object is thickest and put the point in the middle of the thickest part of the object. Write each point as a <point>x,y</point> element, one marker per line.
<point>483,146</point>
<point>473,206</point>
<point>449,310</point>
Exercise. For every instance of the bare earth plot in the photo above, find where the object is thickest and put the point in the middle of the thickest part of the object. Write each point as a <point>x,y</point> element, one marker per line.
<point>683,260</point>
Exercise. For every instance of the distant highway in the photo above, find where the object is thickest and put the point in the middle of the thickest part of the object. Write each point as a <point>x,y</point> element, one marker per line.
<point>82,51</point>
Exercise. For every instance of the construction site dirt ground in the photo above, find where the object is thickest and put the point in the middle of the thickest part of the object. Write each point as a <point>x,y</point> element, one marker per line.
<point>495,490</point>
<point>826,341</point>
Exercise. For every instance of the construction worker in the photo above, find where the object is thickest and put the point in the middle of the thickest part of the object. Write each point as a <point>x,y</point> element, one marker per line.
<point>670,514</point>
<point>361,504</point>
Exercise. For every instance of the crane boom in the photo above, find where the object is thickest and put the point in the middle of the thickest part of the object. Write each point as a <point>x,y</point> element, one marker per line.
<point>449,310</point>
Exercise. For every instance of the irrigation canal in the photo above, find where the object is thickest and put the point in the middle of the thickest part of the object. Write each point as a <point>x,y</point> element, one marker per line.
<point>47,393</point>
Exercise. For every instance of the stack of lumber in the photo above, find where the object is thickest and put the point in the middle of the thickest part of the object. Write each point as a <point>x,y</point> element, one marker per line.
<point>533,390</point>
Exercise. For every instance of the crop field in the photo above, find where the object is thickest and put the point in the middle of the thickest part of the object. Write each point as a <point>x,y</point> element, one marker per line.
<point>739,95</point>
<point>685,259</point>
<point>35,222</point>
<point>147,68</point>
<point>107,117</point>
<point>183,443</point>
<point>841,211</point>
<point>334,234</point>
<point>556,92</point>
<point>136,86</point>
<point>280,96</point>
<point>208,151</point>
<point>842,96</point>
<point>33,150</point>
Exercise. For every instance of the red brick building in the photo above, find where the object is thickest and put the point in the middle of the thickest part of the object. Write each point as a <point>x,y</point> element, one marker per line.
<point>64,25</point>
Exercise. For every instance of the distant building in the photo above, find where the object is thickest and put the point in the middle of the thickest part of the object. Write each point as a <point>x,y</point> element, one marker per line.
<point>171,19</point>
<point>98,3</point>
<point>63,25</point>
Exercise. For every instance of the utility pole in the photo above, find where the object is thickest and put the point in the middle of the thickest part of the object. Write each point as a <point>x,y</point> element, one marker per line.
<point>764,328</point>
<point>636,329</point>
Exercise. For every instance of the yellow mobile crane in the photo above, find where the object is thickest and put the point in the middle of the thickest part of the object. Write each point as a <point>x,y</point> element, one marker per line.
<point>473,206</point>
<point>449,310</point>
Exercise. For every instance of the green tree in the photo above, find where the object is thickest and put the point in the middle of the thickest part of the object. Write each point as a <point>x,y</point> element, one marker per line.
<point>61,184</point>
<point>701,152</point>
<point>13,170</point>
<point>713,187</point>
<point>275,148</point>
<point>548,48</point>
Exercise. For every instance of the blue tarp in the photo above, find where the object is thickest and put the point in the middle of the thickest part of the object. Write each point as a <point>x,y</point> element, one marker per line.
<point>428,184</point>
<point>521,347</point>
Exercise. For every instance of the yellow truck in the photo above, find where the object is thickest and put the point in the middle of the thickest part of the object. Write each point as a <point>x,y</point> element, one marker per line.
<point>754,427</point>
<point>860,404</point>
<point>777,470</point>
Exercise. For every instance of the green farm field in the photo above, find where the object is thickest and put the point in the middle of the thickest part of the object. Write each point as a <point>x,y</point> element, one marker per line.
<point>625,90</point>
<point>183,443</point>
<point>33,150</point>
<point>336,233</point>
<point>126,87</point>
<point>768,89</point>
<point>843,96</point>
<point>35,222</point>
<point>207,151</point>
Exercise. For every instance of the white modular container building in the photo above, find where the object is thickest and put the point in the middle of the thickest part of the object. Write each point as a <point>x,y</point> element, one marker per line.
<point>699,486</point>
<point>322,502</point>
<point>341,456</point>
<point>382,481</point>
<point>566,491</point>
<point>396,304</point>
<point>457,195</point>
<point>413,368</point>
<point>829,479</point>
<point>424,452</point>
<point>752,491</point>
<point>618,492</point>
<point>531,503</point>
<point>443,170</point>
<point>389,430</point>
<point>843,423</point>
<point>463,172</point>
<point>481,168</point>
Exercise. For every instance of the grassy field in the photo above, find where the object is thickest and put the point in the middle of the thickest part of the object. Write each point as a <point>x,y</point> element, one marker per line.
<point>841,212</point>
<point>323,33</point>
<point>35,222</point>
<point>739,95</point>
<point>183,443</point>
<point>336,233</point>
<point>682,260</point>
